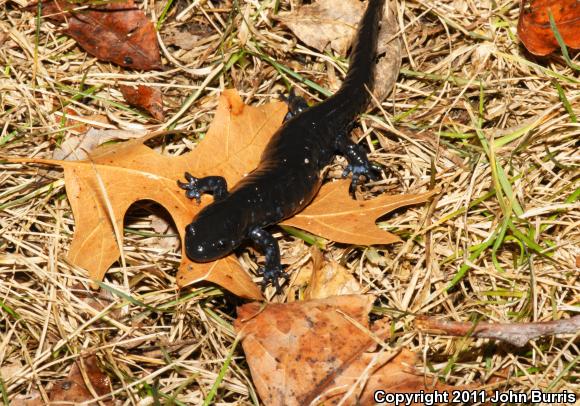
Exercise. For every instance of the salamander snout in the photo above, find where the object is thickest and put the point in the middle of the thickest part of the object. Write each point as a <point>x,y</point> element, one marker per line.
<point>204,244</point>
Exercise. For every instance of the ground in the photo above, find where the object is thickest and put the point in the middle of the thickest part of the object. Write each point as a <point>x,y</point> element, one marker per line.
<point>472,113</point>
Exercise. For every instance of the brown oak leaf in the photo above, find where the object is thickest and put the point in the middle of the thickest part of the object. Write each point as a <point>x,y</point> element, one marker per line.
<point>103,187</point>
<point>534,24</point>
<point>116,31</point>
<point>79,147</point>
<point>350,221</point>
<point>315,351</point>
<point>145,97</point>
<point>74,389</point>
<point>325,22</point>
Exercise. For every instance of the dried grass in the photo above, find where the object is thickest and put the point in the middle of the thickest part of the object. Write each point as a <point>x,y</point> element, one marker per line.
<point>459,53</point>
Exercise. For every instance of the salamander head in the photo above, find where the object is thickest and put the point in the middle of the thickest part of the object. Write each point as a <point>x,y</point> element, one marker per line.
<point>209,238</point>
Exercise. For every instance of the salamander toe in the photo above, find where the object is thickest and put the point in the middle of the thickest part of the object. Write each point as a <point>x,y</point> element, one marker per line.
<point>272,276</point>
<point>367,169</point>
<point>191,187</point>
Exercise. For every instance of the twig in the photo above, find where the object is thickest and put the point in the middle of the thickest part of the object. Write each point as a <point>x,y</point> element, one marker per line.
<point>517,334</point>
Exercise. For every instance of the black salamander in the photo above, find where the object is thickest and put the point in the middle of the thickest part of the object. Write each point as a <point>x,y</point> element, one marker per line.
<point>289,173</point>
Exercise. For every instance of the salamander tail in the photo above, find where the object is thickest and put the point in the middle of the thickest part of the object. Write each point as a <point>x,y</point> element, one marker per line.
<point>360,75</point>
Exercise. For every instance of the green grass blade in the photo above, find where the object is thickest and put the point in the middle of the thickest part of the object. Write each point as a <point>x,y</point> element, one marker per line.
<point>465,267</point>
<point>498,243</point>
<point>9,310</point>
<point>308,238</point>
<point>521,60</point>
<point>508,191</point>
<point>287,71</point>
<point>130,298</point>
<point>163,14</point>
<point>4,391</point>
<point>564,372</point>
<point>565,102</point>
<point>560,40</point>
<point>213,391</point>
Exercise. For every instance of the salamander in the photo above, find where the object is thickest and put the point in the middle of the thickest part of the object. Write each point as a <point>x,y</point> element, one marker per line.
<point>289,173</point>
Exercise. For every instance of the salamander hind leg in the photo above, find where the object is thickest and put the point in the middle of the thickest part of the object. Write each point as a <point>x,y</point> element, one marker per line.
<point>273,269</point>
<point>195,187</point>
<point>296,104</point>
<point>358,163</point>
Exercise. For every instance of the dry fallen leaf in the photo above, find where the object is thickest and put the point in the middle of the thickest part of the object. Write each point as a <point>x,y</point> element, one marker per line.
<point>11,368</point>
<point>332,22</point>
<point>226,272</point>
<point>295,356</point>
<point>93,302</point>
<point>325,22</point>
<point>116,31</point>
<point>77,148</point>
<point>331,279</point>
<point>131,171</point>
<point>74,388</point>
<point>395,374</point>
<point>389,62</point>
<point>334,217</point>
<point>32,398</point>
<point>185,36</point>
<point>168,236</point>
<point>146,98</point>
<point>324,278</point>
<point>81,124</point>
<point>534,24</point>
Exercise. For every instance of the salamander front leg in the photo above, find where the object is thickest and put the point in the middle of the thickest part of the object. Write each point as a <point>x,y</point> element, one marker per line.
<point>358,163</point>
<point>296,104</point>
<point>273,269</point>
<point>195,187</point>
